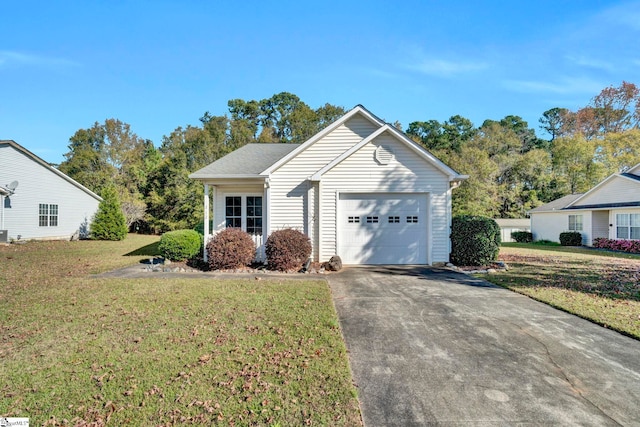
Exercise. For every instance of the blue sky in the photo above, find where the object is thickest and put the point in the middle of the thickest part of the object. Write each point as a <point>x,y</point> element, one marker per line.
<point>161,64</point>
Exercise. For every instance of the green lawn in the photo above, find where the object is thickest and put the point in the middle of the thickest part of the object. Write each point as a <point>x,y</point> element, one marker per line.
<point>77,349</point>
<point>601,286</point>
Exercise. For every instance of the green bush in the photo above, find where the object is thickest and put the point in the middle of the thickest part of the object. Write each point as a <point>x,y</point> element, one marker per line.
<point>522,236</point>
<point>109,222</point>
<point>180,245</point>
<point>570,238</point>
<point>230,248</point>
<point>287,249</point>
<point>475,240</point>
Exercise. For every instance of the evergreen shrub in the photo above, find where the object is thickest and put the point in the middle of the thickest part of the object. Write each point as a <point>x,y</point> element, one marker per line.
<point>230,248</point>
<point>109,222</point>
<point>570,238</point>
<point>287,249</point>
<point>522,236</point>
<point>180,245</point>
<point>475,240</point>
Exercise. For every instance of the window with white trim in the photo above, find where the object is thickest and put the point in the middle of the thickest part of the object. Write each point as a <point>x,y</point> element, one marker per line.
<point>575,222</point>
<point>254,215</point>
<point>628,226</point>
<point>244,212</point>
<point>353,220</point>
<point>394,220</point>
<point>412,219</point>
<point>372,220</point>
<point>47,215</point>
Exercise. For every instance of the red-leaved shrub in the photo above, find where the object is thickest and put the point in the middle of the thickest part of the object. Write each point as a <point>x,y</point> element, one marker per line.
<point>287,249</point>
<point>631,246</point>
<point>230,248</point>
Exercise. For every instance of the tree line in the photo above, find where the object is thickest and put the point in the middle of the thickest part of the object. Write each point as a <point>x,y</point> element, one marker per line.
<point>511,169</point>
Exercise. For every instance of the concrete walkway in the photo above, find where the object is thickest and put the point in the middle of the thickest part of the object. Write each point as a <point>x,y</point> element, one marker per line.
<point>434,347</point>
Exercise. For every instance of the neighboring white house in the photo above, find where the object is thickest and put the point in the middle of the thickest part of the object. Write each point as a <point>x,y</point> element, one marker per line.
<point>360,189</point>
<point>38,201</point>
<point>509,225</point>
<point>611,209</point>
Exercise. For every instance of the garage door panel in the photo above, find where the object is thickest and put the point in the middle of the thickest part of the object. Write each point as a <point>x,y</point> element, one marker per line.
<point>383,228</point>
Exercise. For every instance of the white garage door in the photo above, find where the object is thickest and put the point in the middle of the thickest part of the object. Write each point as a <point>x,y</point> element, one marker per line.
<point>382,228</point>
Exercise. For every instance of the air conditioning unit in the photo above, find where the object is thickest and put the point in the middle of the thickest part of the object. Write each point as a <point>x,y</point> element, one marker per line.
<point>4,236</point>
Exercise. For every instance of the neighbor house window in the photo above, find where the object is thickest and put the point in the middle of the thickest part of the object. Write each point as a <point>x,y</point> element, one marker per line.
<point>244,212</point>
<point>47,215</point>
<point>575,222</point>
<point>628,226</point>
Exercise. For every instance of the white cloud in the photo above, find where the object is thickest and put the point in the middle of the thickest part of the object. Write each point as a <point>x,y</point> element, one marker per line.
<point>584,61</point>
<point>625,14</point>
<point>565,86</point>
<point>447,68</point>
<point>12,58</point>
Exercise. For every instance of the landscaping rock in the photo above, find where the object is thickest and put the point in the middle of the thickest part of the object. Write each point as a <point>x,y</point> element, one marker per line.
<point>334,264</point>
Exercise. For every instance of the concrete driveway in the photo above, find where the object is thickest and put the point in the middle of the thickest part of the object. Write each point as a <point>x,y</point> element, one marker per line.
<point>435,347</point>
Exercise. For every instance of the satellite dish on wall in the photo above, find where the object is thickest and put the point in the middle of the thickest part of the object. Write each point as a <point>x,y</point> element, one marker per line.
<point>12,187</point>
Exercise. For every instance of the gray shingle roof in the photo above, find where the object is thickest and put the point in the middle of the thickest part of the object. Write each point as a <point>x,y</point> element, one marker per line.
<point>557,204</point>
<point>245,162</point>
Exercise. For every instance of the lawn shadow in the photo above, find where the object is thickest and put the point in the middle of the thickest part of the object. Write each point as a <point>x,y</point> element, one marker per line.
<point>615,283</point>
<point>148,250</point>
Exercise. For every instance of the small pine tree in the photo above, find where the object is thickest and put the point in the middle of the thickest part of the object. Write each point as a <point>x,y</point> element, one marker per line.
<point>109,222</point>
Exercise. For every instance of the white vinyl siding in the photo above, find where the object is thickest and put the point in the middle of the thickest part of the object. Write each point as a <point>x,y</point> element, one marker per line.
<point>616,190</point>
<point>406,173</point>
<point>549,225</point>
<point>39,184</point>
<point>293,196</point>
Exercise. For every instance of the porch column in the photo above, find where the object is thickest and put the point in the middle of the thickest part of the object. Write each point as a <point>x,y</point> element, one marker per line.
<point>266,214</point>
<point>206,222</point>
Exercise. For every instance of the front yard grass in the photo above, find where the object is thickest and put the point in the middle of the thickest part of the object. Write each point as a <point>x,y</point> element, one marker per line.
<point>601,286</point>
<point>77,349</point>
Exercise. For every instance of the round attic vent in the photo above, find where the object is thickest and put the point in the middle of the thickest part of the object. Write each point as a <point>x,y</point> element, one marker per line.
<point>384,155</point>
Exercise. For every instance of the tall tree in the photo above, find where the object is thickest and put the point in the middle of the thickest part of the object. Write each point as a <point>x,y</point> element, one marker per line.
<point>573,164</point>
<point>555,121</point>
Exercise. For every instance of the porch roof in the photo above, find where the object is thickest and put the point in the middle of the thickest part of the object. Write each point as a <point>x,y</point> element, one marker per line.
<point>604,205</point>
<point>247,161</point>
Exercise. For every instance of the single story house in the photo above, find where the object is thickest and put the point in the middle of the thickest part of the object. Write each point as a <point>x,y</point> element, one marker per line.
<point>360,188</point>
<point>611,210</point>
<point>509,225</point>
<point>37,201</point>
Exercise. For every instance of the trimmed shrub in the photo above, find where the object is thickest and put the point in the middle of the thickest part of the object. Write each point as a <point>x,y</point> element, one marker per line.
<point>475,240</point>
<point>522,236</point>
<point>230,248</point>
<point>180,245</point>
<point>570,238</point>
<point>109,222</point>
<point>631,246</point>
<point>287,249</point>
